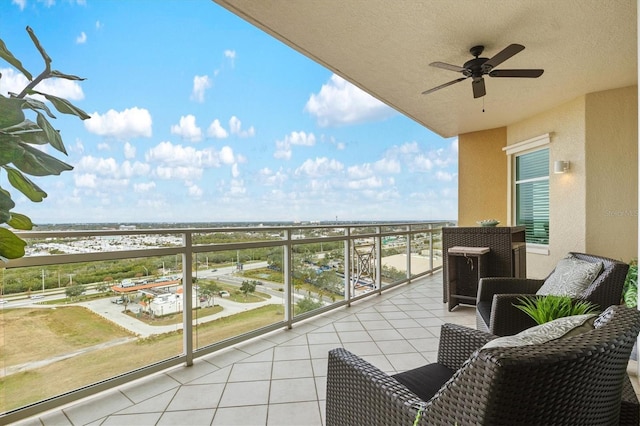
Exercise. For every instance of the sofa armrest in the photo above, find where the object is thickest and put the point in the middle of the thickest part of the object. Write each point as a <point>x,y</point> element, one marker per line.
<point>487,287</point>
<point>358,393</point>
<point>457,343</point>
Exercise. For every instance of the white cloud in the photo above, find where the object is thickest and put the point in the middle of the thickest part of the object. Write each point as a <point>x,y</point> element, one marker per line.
<point>99,25</point>
<point>108,168</point>
<point>129,151</point>
<point>20,3</point>
<point>421,163</point>
<point>187,129</point>
<point>180,172</point>
<point>270,178</point>
<point>85,180</point>
<point>237,187</point>
<point>235,126</point>
<point>130,123</point>
<point>319,167</point>
<point>341,103</point>
<point>195,191</point>
<point>283,147</point>
<point>445,176</point>
<point>103,146</point>
<point>216,130</point>
<point>14,81</point>
<point>388,165</point>
<point>200,84</point>
<point>226,155</point>
<point>82,38</point>
<point>368,183</point>
<point>144,187</point>
<point>234,170</point>
<point>231,55</point>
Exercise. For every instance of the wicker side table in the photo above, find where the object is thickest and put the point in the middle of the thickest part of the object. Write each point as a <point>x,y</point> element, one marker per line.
<point>466,265</point>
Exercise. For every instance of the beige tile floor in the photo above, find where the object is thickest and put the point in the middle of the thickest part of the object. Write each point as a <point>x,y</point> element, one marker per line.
<point>279,378</point>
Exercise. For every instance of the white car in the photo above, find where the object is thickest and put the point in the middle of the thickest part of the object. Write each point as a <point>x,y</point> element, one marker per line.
<point>2,301</point>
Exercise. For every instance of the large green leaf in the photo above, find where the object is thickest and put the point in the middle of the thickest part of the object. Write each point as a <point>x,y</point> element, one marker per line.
<point>5,216</point>
<point>63,105</point>
<point>11,247</point>
<point>25,185</point>
<point>37,137</point>
<point>26,125</point>
<point>6,203</point>
<point>52,134</point>
<point>10,111</point>
<point>35,104</point>
<point>37,163</point>
<point>56,73</point>
<point>20,221</point>
<point>8,56</point>
<point>9,149</point>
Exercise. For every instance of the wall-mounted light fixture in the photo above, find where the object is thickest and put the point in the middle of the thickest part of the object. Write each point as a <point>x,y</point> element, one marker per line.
<point>560,166</point>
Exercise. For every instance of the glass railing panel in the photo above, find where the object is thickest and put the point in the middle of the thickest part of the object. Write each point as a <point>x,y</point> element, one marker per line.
<point>394,258</point>
<point>67,243</point>
<point>363,230</point>
<point>237,235</point>
<point>420,253</point>
<point>72,325</point>
<point>234,298</point>
<point>317,275</point>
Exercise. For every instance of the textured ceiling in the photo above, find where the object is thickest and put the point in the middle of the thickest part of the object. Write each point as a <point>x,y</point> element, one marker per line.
<point>385,48</point>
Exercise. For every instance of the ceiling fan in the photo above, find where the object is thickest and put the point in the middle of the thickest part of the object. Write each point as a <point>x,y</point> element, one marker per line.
<point>478,67</point>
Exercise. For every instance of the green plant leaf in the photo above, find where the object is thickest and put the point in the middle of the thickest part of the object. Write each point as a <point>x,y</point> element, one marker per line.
<point>9,149</point>
<point>63,105</point>
<point>26,125</point>
<point>37,163</point>
<point>10,111</point>
<point>25,185</point>
<point>35,104</point>
<point>6,203</point>
<point>52,134</point>
<point>11,247</point>
<point>5,216</point>
<point>34,137</point>
<point>58,74</point>
<point>36,42</point>
<point>20,221</point>
<point>8,56</point>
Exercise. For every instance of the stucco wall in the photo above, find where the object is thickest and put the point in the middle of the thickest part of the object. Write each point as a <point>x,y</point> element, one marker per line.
<point>612,170</point>
<point>567,199</point>
<point>482,176</point>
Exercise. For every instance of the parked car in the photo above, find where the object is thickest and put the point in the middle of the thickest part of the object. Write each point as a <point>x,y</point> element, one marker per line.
<point>117,300</point>
<point>37,296</point>
<point>224,293</point>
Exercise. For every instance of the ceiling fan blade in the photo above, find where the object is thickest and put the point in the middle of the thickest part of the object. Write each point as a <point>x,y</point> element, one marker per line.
<point>478,88</point>
<point>446,66</point>
<point>502,56</point>
<point>516,73</point>
<point>457,80</point>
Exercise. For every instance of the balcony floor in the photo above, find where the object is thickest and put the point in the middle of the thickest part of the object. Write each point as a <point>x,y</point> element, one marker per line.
<point>279,378</point>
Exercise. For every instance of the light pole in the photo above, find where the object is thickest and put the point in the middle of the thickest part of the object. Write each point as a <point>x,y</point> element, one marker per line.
<point>146,270</point>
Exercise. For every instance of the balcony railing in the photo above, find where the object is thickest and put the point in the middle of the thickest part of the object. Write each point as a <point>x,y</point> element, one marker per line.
<point>88,310</point>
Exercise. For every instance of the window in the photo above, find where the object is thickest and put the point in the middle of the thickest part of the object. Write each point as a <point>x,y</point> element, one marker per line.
<point>532,195</point>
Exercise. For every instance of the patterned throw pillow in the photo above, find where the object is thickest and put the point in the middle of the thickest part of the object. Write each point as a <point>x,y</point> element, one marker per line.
<point>571,277</point>
<point>552,330</point>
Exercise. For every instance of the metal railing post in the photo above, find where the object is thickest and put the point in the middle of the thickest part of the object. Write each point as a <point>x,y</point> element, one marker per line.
<point>378,244</point>
<point>347,266</point>
<point>187,291</point>
<point>288,282</point>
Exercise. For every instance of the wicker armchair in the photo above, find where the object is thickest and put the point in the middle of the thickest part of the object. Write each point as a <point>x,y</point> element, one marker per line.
<point>575,380</point>
<point>496,314</point>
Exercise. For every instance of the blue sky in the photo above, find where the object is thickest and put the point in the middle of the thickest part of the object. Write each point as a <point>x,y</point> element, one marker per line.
<point>197,116</point>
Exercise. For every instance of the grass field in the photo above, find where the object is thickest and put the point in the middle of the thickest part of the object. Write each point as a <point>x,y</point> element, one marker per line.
<point>79,328</point>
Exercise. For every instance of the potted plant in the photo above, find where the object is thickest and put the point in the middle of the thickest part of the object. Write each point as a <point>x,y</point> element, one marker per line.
<point>630,289</point>
<point>548,308</point>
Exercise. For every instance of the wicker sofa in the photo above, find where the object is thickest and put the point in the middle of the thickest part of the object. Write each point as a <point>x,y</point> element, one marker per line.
<point>576,380</point>
<point>496,314</point>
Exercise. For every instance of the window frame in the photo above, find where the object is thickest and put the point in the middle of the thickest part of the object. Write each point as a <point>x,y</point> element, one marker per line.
<point>513,151</point>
